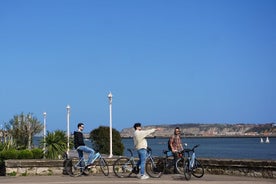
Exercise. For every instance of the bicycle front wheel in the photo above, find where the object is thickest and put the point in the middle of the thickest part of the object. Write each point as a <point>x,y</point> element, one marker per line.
<point>73,167</point>
<point>104,166</point>
<point>152,167</point>
<point>187,171</point>
<point>198,170</point>
<point>180,165</point>
<point>123,167</point>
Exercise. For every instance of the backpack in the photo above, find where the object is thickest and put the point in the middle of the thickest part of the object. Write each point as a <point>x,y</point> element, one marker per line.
<point>169,146</point>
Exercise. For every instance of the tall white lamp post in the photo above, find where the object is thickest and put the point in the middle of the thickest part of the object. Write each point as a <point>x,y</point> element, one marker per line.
<point>110,123</point>
<point>44,132</point>
<point>68,131</point>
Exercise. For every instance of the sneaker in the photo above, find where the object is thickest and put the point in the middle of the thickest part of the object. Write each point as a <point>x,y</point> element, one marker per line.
<point>144,177</point>
<point>90,166</point>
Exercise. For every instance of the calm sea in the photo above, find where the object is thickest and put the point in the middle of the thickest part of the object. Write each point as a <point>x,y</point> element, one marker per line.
<point>228,148</point>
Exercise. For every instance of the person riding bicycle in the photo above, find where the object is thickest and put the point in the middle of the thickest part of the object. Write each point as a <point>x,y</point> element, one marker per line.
<point>80,145</point>
<point>176,145</point>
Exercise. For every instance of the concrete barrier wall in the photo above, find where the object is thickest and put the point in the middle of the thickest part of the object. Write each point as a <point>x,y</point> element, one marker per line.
<point>252,168</point>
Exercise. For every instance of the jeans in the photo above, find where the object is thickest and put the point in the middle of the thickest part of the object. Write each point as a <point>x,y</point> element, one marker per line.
<point>88,150</point>
<point>142,153</point>
<point>175,158</point>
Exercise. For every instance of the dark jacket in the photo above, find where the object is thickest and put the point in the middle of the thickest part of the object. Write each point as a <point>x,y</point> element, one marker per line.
<point>78,139</point>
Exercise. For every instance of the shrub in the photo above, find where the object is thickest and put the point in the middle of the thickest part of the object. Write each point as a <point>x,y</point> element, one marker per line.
<point>1,146</point>
<point>25,154</point>
<point>12,173</point>
<point>9,154</point>
<point>37,153</point>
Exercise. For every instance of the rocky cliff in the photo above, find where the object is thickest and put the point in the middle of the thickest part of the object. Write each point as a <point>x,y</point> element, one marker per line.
<point>217,130</point>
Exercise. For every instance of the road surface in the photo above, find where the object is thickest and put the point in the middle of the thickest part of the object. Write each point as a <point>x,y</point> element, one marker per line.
<point>112,179</point>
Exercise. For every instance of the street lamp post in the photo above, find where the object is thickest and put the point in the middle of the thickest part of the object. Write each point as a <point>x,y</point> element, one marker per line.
<point>1,134</point>
<point>29,117</point>
<point>44,133</point>
<point>68,132</point>
<point>110,123</point>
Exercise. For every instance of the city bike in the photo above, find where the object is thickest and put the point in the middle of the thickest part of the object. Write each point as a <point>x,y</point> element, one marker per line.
<point>78,166</point>
<point>189,164</point>
<point>167,163</point>
<point>125,166</point>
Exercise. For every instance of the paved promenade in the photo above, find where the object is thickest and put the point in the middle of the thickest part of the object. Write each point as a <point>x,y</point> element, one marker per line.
<point>111,179</point>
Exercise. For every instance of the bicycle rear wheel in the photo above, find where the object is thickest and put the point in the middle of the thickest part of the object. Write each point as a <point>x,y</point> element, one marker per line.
<point>187,171</point>
<point>198,170</point>
<point>152,167</point>
<point>104,166</point>
<point>73,167</point>
<point>123,167</point>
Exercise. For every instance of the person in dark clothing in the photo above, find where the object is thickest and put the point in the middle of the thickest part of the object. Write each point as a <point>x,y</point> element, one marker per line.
<point>80,145</point>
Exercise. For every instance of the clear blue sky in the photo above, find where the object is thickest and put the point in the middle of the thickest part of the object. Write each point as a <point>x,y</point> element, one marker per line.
<point>208,61</point>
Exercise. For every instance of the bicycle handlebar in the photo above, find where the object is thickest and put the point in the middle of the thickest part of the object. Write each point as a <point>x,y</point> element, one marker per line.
<point>193,149</point>
<point>190,150</point>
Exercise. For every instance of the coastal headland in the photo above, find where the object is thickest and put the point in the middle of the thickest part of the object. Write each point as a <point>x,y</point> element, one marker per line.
<point>211,130</point>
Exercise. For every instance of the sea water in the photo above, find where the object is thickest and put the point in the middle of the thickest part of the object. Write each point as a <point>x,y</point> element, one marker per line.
<point>225,148</point>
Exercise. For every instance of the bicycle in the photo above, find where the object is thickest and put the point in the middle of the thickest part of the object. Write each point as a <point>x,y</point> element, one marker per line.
<point>78,166</point>
<point>125,166</point>
<point>167,162</point>
<point>190,165</point>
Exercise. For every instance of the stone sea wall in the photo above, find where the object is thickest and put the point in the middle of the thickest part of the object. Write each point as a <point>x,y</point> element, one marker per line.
<point>251,168</point>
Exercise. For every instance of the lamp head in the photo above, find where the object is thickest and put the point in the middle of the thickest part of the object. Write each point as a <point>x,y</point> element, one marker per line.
<point>110,97</point>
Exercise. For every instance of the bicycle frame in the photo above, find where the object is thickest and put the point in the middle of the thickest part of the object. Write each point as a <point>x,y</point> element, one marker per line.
<point>125,166</point>
<point>192,161</point>
<point>132,159</point>
<point>192,166</point>
<point>80,166</point>
<point>82,163</point>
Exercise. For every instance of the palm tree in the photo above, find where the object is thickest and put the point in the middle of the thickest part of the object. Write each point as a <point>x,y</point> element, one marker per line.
<point>55,144</point>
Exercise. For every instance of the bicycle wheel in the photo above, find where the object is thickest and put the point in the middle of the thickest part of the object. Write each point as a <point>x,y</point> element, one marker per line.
<point>187,171</point>
<point>161,164</point>
<point>198,170</point>
<point>73,167</point>
<point>180,165</point>
<point>123,167</point>
<point>104,166</point>
<point>152,167</point>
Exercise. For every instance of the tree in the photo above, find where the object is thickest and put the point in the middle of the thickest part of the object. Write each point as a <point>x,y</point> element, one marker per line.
<point>22,129</point>
<point>100,140</point>
<point>56,144</point>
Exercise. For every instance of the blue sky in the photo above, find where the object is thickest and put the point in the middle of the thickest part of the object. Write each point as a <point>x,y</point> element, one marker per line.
<point>165,62</point>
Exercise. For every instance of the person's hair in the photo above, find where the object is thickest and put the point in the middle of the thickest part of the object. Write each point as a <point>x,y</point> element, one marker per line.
<point>136,125</point>
<point>176,128</point>
<point>80,124</point>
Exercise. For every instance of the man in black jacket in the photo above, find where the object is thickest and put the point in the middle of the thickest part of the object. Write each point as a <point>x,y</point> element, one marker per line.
<point>80,146</point>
